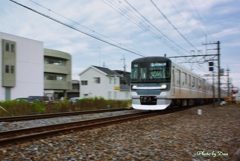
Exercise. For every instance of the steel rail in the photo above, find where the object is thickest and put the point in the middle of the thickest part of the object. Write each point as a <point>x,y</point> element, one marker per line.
<point>29,134</point>
<point>51,115</point>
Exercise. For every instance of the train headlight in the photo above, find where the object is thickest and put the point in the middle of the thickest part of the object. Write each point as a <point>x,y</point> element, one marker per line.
<point>163,86</point>
<point>134,87</point>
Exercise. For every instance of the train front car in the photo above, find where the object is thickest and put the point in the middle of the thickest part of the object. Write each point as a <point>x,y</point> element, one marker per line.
<point>150,83</point>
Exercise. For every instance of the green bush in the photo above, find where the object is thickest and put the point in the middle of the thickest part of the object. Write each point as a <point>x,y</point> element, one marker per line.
<point>15,108</point>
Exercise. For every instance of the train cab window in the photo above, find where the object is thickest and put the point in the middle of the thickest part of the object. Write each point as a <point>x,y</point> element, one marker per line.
<point>158,70</point>
<point>134,73</point>
<point>143,73</point>
<point>193,82</point>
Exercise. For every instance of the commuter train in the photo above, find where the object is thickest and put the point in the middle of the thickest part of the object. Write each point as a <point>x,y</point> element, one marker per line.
<point>158,83</point>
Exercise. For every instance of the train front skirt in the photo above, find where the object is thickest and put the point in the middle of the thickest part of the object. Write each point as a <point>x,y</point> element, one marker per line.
<point>160,104</point>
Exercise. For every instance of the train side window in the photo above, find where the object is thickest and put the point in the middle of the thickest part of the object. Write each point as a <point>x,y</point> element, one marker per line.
<point>199,84</point>
<point>189,80</point>
<point>204,85</point>
<point>178,76</point>
<point>193,82</point>
<point>196,85</point>
<point>184,78</point>
<point>173,76</point>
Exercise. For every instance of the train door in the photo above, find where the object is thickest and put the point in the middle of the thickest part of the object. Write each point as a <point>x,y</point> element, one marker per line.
<point>189,85</point>
<point>173,81</point>
<point>204,89</point>
<point>178,84</point>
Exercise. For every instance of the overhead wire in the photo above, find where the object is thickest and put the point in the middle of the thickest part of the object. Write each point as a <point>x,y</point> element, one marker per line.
<point>154,26</point>
<point>173,25</point>
<point>90,35</point>
<point>183,19</point>
<point>199,15</point>
<point>78,24</point>
<point>141,23</point>
<point>130,18</point>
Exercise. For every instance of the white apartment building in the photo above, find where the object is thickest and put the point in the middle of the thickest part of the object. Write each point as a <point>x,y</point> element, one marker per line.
<point>21,67</point>
<point>102,82</point>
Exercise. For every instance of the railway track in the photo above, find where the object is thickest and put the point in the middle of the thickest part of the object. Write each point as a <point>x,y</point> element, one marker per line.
<point>29,134</point>
<point>52,115</point>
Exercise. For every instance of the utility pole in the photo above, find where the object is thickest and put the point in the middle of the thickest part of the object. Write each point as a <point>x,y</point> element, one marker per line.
<point>124,70</point>
<point>213,87</point>
<point>207,55</point>
<point>218,59</point>
<point>219,83</point>
<point>228,88</point>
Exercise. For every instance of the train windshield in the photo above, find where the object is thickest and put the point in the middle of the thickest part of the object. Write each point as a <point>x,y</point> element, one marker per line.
<point>151,71</point>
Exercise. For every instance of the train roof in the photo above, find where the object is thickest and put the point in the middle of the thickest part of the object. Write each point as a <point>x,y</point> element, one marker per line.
<point>151,59</point>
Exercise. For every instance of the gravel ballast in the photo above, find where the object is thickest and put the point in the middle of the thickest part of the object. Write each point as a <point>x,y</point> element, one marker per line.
<point>184,135</point>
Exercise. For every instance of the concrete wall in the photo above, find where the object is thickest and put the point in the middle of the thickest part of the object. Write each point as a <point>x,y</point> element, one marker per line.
<point>65,70</point>
<point>29,67</point>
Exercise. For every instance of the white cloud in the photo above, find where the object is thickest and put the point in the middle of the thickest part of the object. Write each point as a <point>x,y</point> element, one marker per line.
<point>221,23</point>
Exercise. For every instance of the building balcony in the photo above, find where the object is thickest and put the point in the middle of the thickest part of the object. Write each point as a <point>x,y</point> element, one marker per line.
<point>57,85</point>
<point>51,68</point>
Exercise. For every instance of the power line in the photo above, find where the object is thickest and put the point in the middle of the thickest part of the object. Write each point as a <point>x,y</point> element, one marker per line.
<point>154,25</point>
<point>141,23</point>
<point>173,25</point>
<point>200,18</point>
<point>77,23</point>
<point>183,18</point>
<point>78,29</point>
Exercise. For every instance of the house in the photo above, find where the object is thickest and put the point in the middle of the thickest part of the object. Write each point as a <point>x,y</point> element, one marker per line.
<point>125,79</point>
<point>74,92</point>
<point>98,81</point>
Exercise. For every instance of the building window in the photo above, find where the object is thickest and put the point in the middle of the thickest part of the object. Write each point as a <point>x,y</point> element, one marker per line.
<point>109,94</point>
<point>12,48</point>
<point>59,78</point>
<point>127,95</point>
<point>12,69</point>
<point>110,80</point>
<point>6,68</point>
<point>54,61</point>
<point>7,46</point>
<point>96,80</point>
<point>84,82</point>
<point>53,77</point>
<point>115,80</point>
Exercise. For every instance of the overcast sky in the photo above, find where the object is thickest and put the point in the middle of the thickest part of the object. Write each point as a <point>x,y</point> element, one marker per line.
<point>148,28</point>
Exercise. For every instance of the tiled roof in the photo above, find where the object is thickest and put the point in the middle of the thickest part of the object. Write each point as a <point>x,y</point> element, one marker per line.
<point>107,71</point>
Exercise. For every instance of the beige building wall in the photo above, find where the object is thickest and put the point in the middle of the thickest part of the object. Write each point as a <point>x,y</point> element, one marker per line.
<point>57,70</point>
